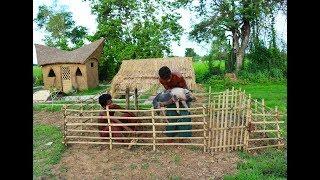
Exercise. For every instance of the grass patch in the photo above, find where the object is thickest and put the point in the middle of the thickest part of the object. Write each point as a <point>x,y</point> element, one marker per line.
<point>274,94</point>
<point>145,166</point>
<point>44,156</point>
<point>174,177</point>
<point>47,107</point>
<point>133,166</point>
<point>271,164</point>
<point>92,91</point>
<point>176,159</point>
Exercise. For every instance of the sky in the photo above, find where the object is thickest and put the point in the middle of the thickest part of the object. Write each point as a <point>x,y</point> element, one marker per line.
<point>82,16</point>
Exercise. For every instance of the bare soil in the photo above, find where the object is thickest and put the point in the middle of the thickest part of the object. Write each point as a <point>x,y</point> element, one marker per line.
<point>140,162</point>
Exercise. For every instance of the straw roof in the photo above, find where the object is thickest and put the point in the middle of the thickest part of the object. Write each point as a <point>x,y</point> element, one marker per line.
<point>143,73</point>
<point>49,55</point>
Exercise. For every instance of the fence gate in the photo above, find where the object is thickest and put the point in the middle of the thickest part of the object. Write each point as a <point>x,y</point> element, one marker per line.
<point>227,121</point>
<point>236,121</point>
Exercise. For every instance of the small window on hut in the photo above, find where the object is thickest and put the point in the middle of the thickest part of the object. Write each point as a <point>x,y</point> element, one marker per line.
<point>51,73</point>
<point>78,72</point>
<point>92,64</point>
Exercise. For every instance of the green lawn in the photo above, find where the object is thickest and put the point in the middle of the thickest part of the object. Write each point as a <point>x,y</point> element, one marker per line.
<point>92,91</point>
<point>44,156</point>
<point>271,164</point>
<point>274,94</point>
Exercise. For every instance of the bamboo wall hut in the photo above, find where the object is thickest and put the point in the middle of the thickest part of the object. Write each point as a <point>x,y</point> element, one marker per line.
<point>64,70</point>
<point>143,73</point>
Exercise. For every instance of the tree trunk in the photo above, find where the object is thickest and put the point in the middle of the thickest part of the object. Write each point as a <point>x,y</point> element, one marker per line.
<point>245,32</point>
<point>239,60</point>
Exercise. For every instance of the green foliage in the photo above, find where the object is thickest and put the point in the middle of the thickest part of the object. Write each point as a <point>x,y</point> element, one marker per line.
<point>270,164</point>
<point>37,74</point>
<point>207,68</point>
<point>190,53</point>
<point>44,156</point>
<point>265,63</point>
<point>60,28</point>
<point>133,30</point>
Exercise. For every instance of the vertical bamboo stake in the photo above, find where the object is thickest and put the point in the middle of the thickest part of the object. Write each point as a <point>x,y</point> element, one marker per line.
<point>230,119</point>
<point>81,114</point>
<point>226,121</point>
<point>210,126</point>
<point>217,124</point>
<point>256,106</point>
<point>65,124</point>
<point>209,110</point>
<point>248,115</point>
<point>209,97</point>
<point>264,118</point>
<point>243,103</point>
<point>127,97</point>
<point>110,134</point>
<point>234,119</point>
<point>153,129</point>
<point>222,120</point>
<point>238,111</point>
<point>204,128</point>
<point>213,125</point>
<point>136,100</point>
<point>278,128</point>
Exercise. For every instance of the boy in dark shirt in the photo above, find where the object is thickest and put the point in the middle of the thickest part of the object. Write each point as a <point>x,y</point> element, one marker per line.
<point>171,80</point>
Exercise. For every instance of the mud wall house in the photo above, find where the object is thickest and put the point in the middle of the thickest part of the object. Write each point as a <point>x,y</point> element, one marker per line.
<point>65,70</point>
<point>143,73</point>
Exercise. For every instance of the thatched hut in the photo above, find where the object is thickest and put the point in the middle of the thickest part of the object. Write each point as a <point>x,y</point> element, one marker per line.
<point>143,73</point>
<point>65,70</point>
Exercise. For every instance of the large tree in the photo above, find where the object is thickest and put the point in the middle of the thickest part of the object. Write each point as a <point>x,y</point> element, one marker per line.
<point>133,29</point>
<point>221,18</point>
<point>61,31</point>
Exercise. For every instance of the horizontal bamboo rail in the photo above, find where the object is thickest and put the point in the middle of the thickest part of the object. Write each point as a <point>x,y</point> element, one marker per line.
<point>133,110</point>
<point>135,124</point>
<point>263,139</point>
<point>138,138</point>
<point>136,118</point>
<point>263,131</point>
<point>260,147</point>
<point>267,122</point>
<point>137,132</point>
<point>146,144</point>
<point>216,147</point>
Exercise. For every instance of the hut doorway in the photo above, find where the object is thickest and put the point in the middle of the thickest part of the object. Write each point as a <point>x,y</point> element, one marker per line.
<point>66,79</point>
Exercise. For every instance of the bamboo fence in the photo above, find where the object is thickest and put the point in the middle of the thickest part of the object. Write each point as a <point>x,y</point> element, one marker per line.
<point>227,121</point>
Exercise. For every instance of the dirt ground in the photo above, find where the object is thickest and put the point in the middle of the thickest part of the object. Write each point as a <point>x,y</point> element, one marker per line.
<point>174,162</point>
<point>167,162</point>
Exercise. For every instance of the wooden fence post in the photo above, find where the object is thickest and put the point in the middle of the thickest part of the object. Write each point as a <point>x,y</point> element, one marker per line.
<point>204,128</point>
<point>153,129</point>
<point>248,117</point>
<point>65,125</point>
<point>109,121</point>
<point>278,128</point>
